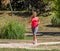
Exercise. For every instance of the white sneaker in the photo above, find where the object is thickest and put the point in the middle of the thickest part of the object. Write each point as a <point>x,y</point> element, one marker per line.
<point>35,42</point>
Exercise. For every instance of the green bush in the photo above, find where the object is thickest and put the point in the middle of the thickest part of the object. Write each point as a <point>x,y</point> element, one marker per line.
<point>13,30</point>
<point>55,21</point>
<point>56,18</point>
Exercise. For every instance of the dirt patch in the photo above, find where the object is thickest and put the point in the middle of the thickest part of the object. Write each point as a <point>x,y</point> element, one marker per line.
<point>30,40</point>
<point>49,46</point>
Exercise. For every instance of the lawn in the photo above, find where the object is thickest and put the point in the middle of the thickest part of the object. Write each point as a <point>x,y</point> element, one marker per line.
<point>29,39</point>
<point>43,27</point>
<point>56,46</point>
<point>17,49</point>
<point>45,22</point>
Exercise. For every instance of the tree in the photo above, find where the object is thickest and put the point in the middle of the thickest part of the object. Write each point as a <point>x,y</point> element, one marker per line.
<point>0,4</point>
<point>56,16</point>
<point>38,5</point>
<point>56,10</point>
<point>4,3</point>
<point>28,5</point>
<point>11,7</point>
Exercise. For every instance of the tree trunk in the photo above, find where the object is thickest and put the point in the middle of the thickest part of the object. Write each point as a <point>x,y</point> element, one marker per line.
<point>11,8</point>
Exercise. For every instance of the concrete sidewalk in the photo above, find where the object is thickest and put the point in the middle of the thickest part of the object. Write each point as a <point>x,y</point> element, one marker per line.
<point>25,45</point>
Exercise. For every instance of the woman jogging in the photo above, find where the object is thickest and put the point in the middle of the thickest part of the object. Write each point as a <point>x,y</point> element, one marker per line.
<point>34,25</point>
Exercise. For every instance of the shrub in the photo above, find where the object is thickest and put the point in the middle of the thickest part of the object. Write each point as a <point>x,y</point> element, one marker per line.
<point>55,21</point>
<point>13,30</point>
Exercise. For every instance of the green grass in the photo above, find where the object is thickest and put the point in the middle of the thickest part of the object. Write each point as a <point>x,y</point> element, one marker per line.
<point>44,21</point>
<point>29,39</point>
<point>44,38</point>
<point>17,49</point>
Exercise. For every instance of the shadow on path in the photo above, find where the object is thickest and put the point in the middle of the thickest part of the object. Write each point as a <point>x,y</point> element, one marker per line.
<point>52,26</point>
<point>44,33</point>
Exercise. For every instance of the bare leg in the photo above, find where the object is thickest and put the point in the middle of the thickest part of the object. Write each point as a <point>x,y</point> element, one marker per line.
<point>34,38</point>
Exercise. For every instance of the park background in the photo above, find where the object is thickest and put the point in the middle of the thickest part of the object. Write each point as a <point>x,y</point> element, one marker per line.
<point>15,14</point>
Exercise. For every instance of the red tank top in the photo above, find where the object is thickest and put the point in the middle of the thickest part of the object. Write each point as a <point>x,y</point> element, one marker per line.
<point>35,21</point>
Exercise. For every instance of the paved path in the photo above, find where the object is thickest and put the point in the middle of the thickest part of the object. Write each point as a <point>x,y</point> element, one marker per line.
<point>25,45</point>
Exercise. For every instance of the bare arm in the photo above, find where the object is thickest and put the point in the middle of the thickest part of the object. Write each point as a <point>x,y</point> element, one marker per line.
<point>30,19</point>
<point>39,21</point>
